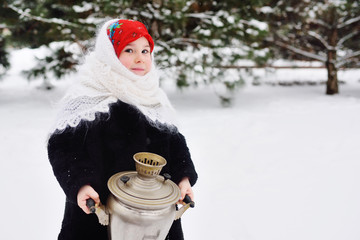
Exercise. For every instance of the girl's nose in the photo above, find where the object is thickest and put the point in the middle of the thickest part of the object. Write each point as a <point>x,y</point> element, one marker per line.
<point>138,57</point>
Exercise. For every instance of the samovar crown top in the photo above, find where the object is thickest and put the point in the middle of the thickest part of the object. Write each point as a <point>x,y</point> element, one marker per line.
<point>145,187</point>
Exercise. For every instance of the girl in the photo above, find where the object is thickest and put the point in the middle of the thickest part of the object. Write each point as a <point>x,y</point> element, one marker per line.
<point>115,110</point>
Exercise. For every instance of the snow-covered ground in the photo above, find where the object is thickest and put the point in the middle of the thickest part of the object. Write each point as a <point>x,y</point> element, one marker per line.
<point>282,164</point>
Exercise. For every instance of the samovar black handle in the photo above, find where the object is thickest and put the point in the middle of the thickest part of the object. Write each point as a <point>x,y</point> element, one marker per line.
<point>187,200</point>
<point>90,203</point>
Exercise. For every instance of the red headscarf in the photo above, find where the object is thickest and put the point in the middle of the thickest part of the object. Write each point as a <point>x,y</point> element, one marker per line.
<point>123,32</point>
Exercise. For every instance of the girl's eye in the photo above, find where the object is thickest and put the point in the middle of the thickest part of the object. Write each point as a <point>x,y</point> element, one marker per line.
<point>128,50</point>
<point>145,51</point>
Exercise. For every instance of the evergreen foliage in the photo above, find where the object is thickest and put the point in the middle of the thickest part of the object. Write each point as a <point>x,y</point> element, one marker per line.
<point>194,39</point>
<point>4,62</point>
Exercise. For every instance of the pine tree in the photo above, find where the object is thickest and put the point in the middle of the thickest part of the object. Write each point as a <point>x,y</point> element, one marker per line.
<point>327,31</point>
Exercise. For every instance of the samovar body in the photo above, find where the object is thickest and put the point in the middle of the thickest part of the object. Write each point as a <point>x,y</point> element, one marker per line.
<point>134,223</point>
<point>142,203</point>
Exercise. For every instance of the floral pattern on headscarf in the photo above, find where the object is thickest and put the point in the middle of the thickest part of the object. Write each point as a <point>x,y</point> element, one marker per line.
<point>111,30</point>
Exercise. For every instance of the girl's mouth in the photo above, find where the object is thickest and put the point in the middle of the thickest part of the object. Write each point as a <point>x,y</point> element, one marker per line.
<point>138,70</point>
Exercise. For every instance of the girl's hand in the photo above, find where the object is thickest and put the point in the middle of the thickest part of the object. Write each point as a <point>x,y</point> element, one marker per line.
<point>185,189</point>
<point>85,193</point>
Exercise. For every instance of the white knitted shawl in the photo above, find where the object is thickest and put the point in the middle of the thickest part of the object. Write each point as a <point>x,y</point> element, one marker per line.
<point>104,80</point>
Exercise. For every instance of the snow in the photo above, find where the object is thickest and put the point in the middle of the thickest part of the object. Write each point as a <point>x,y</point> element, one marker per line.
<point>281,163</point>
<point>86,7</point>
<point>26,14</point>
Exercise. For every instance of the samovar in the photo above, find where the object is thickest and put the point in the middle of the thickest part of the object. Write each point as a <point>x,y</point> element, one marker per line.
<point>142,203</point>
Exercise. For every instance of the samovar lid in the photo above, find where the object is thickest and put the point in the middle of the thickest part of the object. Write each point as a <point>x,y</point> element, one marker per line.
<point>145,188</point>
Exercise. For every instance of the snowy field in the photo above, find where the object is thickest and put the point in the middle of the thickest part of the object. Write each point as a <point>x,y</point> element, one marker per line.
<point>282,164</point>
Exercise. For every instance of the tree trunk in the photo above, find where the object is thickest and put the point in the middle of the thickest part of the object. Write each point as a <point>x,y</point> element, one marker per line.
<point>155,28</point>
<point>332,82</point>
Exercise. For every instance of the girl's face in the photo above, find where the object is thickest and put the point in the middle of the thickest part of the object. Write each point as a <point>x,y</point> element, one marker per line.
<point>136,56</point>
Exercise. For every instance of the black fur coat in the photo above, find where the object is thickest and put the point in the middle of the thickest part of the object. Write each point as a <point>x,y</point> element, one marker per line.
<point>95,150</point>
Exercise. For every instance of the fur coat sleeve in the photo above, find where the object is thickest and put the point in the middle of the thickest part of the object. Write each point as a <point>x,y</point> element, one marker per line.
<point>70,156</point>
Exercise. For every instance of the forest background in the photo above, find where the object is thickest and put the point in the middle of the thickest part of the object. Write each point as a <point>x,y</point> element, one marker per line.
<point>200,42</point>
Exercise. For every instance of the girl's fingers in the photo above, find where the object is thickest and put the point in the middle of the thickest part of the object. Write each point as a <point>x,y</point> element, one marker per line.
<point>85,193</point>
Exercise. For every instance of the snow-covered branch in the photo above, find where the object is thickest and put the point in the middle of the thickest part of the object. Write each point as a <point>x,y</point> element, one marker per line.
<point>348,22</point>
<point>202,15</point>
<point>300,51</point>
<point>321,39</point>
<point>23,13</point>
<point>183,40</point>
<point>351,55</point>
<point>282,37</point>
<point>347,59</point>
<point>164,45</point>
<point>347,37</point>
<point>205,16</point>
<point>319,22</point>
